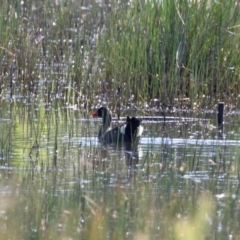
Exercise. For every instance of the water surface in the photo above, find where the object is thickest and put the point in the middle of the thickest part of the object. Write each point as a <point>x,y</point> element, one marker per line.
<point>55,173</point>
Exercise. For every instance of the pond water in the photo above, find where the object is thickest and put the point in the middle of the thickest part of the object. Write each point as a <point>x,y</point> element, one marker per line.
<point>58,181</point>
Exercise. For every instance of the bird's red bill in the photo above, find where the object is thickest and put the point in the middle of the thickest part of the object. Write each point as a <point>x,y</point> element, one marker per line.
<point>95,114</point>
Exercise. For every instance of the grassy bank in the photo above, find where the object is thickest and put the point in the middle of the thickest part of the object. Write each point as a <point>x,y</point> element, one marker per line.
<point>167,50</point>
<point>173,49</point>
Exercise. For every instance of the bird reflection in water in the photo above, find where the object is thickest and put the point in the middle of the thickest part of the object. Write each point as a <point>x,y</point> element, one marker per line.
<point>131,154</point>
<point>104,156</point>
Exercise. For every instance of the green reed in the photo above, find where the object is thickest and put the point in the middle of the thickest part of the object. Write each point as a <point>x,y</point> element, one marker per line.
<point>148,49</point>
<point>173,49</point>
<point>66,189</point>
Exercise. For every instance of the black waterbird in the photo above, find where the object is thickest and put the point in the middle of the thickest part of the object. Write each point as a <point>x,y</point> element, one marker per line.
<point>127,132</point>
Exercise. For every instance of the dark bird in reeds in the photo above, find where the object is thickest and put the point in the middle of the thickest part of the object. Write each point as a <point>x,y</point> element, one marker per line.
<point>128,132</point>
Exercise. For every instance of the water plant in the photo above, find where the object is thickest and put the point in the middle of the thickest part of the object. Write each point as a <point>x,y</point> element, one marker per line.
<point>173,49</point>
<point>60,59</point>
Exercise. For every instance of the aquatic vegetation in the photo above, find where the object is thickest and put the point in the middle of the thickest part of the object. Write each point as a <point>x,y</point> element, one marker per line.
<point>173,50</point>
<point>149,49</point>
<point>61,59</point>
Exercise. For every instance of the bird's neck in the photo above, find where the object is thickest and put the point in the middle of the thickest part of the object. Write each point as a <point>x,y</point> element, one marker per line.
<point>106,123</point>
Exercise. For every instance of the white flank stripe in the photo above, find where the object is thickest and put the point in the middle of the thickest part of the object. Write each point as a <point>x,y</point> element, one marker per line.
<point>122,129</point>
<point>140,131</point>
